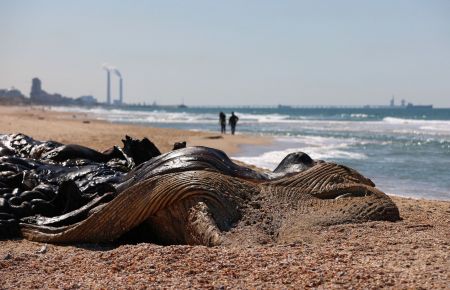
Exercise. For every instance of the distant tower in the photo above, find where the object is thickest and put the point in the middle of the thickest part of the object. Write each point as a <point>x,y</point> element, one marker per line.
<point>120,91</point>
<point>108,87</point>
<point>392,102</point>
<point>119,75</point>
<point>36,89</point>
<point>403,103</point>
<point>108,84</point>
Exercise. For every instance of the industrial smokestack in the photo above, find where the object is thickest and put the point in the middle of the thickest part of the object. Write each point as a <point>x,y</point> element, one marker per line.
<point>108,84</point>
<point>121,92</point>
<point>108,88</point>
<point>117,72</point>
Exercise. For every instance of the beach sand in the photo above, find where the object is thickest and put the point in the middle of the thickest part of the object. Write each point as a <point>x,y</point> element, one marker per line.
<point>80,128</point>
<point>412,253</point>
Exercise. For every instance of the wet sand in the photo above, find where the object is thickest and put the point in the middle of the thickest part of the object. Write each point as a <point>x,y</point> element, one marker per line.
<point>412,253</point>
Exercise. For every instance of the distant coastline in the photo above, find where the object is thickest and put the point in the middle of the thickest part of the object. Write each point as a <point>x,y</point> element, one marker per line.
<point>38,96</point>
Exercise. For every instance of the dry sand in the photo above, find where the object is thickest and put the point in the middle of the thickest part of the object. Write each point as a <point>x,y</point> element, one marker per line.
<point>80,128</point>
<point>413,253</point>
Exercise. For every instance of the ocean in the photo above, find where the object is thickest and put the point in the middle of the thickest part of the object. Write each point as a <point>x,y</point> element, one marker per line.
<point>406,152</point>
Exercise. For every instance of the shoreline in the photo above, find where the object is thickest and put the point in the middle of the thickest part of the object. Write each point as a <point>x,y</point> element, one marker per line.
<point>81,128</point>
<point>411,253</point>
<point>42,123</point>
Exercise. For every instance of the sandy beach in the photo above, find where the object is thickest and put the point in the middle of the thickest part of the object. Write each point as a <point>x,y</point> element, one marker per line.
<point>79,128</point>
<point>412,253</point>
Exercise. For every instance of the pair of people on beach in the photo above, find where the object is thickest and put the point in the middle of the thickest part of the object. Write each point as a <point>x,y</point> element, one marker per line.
<point>232,121</point>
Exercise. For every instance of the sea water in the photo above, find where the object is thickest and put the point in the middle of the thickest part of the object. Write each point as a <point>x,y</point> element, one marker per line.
<point>405,151</point>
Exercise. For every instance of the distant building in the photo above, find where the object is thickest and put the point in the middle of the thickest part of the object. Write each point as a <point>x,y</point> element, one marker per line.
<point>86,100</point>
<point>12,96</point>
<point>392,103</point>
<point>11,93</point>
<point>36,89</point>
<point>39,96</point>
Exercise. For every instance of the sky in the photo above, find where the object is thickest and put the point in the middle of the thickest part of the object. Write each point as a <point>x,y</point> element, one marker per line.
<point>302,53</point>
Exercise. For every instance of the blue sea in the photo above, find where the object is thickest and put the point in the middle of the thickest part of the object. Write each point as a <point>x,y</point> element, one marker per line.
<point>405,152</point>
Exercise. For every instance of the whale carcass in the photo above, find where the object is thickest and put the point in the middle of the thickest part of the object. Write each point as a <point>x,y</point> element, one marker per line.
<point>56,193</point>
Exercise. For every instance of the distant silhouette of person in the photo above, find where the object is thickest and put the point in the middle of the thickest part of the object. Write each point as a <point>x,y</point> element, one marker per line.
<point>233,121</point>
<point>223,122</point>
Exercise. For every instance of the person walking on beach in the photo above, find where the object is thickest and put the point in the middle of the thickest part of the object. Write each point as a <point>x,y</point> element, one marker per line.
<point>233,121</point>
<point>223,122</point>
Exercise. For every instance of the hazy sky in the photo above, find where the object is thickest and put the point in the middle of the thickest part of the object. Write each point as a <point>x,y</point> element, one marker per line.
<point>231,52</point>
